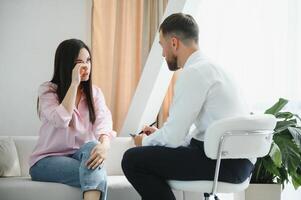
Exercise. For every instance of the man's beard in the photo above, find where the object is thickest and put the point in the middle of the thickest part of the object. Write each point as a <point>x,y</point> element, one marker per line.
<point>172,64</point>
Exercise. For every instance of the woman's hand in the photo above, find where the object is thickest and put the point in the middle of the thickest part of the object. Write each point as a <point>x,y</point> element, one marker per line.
<point>77,73</point>
<point>97,156</point>
<point>99,152</point>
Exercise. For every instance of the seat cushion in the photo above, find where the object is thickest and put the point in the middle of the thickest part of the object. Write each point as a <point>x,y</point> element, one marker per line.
<point>120,188</point>
<point>206,186</point>
<point>26,189</point>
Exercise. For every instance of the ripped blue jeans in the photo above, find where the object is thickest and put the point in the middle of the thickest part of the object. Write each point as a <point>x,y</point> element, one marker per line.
<point>71,170</point>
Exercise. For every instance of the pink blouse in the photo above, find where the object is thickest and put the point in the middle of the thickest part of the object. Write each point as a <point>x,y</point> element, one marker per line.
<point>63,133</point>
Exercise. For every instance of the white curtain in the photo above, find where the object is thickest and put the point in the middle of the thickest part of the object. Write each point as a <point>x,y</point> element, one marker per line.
<point>259,43</point>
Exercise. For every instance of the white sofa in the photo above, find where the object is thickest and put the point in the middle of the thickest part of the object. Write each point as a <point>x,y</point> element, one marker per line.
<point>23,188</point>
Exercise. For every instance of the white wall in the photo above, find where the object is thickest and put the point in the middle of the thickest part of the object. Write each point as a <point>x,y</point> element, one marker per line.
<point>30,31</point>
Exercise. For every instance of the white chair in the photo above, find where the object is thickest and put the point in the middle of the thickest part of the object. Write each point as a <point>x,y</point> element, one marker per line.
<point>238,137</point>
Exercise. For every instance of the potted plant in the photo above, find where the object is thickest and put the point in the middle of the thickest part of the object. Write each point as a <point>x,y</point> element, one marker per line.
<point>283,163</point>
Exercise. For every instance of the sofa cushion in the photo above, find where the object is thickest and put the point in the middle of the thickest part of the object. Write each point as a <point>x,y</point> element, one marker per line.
<point>9,161</point>
<point>26,189</point>
<point>25,146</point>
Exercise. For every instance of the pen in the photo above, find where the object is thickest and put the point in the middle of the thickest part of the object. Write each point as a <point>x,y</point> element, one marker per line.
<point>133,135</point>
<point>149,125</point>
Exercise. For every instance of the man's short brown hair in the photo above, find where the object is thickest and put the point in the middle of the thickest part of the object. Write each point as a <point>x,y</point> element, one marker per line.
<point>182,26</point>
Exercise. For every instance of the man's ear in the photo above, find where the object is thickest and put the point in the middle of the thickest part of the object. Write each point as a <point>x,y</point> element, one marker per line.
<point>175,43</point>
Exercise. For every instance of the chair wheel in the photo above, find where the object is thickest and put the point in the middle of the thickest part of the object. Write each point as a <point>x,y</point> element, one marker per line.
<point>210,196</point>
<point>207,196</point>
<point>216,197</point>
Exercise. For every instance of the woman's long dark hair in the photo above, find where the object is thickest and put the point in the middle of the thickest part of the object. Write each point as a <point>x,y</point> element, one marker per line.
<point>64,62</point>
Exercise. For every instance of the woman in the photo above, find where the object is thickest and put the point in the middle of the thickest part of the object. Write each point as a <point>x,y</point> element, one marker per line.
<point>76,125</point>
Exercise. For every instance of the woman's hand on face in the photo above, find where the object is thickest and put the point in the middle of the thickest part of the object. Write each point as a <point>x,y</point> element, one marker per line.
<point>77,73</point>
<point>97,156</point>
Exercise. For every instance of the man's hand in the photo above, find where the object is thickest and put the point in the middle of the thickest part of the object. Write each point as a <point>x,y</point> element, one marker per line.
<point>138,139</point>
<point>149,129</point>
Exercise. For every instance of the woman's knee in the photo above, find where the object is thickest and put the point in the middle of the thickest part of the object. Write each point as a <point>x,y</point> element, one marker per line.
<point>88,147</point>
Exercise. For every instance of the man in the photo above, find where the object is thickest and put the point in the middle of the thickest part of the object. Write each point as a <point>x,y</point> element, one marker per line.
<point>203,94</point>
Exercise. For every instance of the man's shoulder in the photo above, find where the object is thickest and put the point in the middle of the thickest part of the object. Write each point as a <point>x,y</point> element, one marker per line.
<point>202,69</point>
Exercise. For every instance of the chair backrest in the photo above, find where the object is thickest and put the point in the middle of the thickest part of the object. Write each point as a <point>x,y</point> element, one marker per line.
<point>243,136</point>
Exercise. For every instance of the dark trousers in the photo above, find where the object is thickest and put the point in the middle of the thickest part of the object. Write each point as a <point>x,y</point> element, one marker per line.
<point>147,168</point>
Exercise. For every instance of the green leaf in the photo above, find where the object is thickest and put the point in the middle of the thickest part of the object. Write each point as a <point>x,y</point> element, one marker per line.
<point>290,153</point>
<point>284,115</point>
<point>298,117</point>
<point>260,173</point>
<point>282,125</point>
<point>275,155</point>
<point>296,180</point>
<point>283,175</point>
<point>296,133</point>
<point>299,170</point>
<point>277,107</point>
<point>270,166</point>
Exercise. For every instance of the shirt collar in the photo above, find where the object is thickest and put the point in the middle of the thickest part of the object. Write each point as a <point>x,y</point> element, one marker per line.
<point>193,58</point>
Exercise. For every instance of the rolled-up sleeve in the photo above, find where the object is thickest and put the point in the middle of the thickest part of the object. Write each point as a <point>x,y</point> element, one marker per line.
<point>103,124</point>
<point>50,109</point>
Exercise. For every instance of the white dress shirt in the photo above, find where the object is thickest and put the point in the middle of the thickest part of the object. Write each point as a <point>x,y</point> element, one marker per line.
<point>203,94</point>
